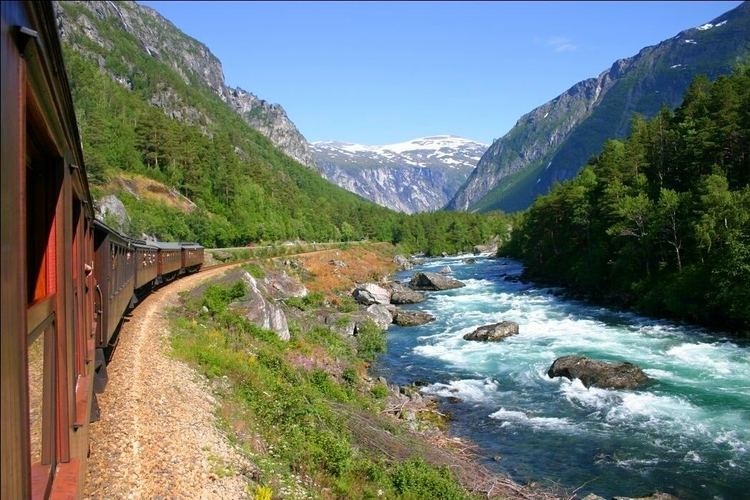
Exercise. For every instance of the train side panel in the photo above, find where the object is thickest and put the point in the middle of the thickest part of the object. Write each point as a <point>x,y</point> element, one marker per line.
<point>146,265</point>
<point>47,355</point>
<point>115,276</point>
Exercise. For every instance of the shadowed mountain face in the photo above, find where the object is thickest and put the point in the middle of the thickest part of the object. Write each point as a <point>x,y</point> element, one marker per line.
<point>415,176</point>
<point>555,140</point>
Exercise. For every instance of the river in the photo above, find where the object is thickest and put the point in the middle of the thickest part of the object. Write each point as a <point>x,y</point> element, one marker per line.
<point>687,433</point>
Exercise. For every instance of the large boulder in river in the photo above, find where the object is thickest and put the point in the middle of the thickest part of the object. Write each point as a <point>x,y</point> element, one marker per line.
<point>494,332</point>
<point>404,295</point>
<point>260,311</point>
<point>619,375</point>
<point>412,318</point>
<point>370,293</point>
<point>433,281</point>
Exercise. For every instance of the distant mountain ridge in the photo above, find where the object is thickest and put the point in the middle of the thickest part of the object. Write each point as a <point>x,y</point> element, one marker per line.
<point>191,59</point>
<point>554,141</point>
<point>413,176</point>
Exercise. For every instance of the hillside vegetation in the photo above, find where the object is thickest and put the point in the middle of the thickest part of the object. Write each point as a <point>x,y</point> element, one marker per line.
<point>661,220</point>
<point>245,189</point>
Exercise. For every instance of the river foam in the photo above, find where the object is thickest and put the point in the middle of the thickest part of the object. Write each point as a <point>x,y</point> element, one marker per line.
<point>687,432</point>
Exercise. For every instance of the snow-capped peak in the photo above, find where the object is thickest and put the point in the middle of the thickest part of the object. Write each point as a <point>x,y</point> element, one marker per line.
<point>431,143</point>
<point>708,26</point>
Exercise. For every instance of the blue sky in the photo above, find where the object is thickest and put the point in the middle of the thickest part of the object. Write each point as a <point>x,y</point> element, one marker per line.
<point>378,73</point>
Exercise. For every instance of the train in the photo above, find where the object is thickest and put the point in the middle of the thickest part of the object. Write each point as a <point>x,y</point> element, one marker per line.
<point>67,278</point>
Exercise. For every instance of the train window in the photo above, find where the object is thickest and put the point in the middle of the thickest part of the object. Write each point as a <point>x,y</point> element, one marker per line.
<point>42,188</point>
<point>41,431</point>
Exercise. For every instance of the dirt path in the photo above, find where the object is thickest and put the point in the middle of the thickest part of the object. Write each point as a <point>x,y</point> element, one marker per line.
<point>158,436</point>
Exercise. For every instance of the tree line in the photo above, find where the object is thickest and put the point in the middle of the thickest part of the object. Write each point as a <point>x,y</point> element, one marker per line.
<point>246,191</point>
<point>659,221</point>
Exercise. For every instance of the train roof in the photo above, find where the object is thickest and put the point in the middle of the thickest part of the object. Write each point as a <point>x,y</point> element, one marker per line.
<point>166,245</point>
<point>190,244</point>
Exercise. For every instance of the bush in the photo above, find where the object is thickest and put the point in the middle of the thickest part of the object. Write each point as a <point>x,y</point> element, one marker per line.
<point>371,340</point>
<point>415,479</point>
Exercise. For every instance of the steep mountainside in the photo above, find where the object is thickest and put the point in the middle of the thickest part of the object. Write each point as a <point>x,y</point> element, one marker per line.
<point>415,176</point>
<point>554,141</point>
<point>87,26</point>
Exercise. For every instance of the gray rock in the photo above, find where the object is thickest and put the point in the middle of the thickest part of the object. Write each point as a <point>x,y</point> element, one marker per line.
<point>343,324</point>
<point>412,318</point>
<point>494,332</point>
<point>256,308</point>
<point>402,262</point>
<point>470,260</point>
<point>338,264</point>
<point>380,315</point>
<point>620,375</point>
<point>281,285</point>
<point>446,270</point>
<point>404,295</point>
<point>112,211</point>
<point>433,281</point>
<point>591,496</point>
<point>370,293</point>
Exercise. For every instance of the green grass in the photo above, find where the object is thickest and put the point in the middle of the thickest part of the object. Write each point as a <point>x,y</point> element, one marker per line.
<point>293,408</point>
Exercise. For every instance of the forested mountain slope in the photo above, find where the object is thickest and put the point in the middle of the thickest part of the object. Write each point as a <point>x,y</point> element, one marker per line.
<point>661,220</point>
<point>553,142</point>
<point>157,117</point>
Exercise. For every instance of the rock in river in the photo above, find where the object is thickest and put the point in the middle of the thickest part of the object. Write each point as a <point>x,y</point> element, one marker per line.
<point>494,332</point>
<point>433,281</point>
<point>412,318</point>
<point>621,375</point>
<point>403,295</point>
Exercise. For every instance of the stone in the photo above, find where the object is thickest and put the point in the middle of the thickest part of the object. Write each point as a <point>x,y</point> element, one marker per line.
<point>592,372</point>
<point>446,270</point>
<point>112,211</point>
<point>380,315</point>
<point>402,262</point>
<point>343,324</point>
<point>281,285</point>
<point>454,400</point>
<point>404,295</point>
<point>470,260</point>
<point>494,332</point>
<point>370,293</point>
<point>433,281</point>
<point>256,308</point>
<point>412,318</point>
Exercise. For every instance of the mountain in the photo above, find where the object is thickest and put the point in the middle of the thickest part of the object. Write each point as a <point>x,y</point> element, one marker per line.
<point>420,175</point>
<point>91,27</point>
<point>555,140</point>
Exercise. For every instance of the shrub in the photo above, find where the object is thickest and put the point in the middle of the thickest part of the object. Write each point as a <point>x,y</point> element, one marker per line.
<point>371,340</point>
<point>416,479</point>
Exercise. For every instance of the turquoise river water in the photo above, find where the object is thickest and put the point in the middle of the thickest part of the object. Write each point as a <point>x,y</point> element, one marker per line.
<point>687,433</point>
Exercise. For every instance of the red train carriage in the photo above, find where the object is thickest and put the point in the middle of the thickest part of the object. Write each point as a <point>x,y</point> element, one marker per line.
<point>192,257</point>
<point>47,258</point>
<point>169,261</point>
<point>115,278</point>
<point>146,265</point>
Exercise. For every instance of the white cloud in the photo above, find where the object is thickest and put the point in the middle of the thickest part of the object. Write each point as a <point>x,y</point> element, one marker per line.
<point>557,43</point>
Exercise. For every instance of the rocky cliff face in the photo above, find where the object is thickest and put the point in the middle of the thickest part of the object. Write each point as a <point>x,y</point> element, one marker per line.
<point>414,176</point>
<point>554,141</point>
<point>92,27</point>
